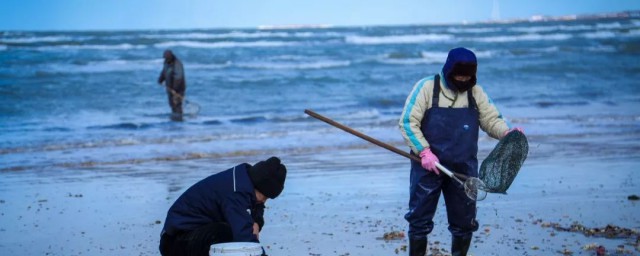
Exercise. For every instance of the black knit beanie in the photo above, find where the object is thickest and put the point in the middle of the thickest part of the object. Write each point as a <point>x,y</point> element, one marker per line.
<point>268,177</point>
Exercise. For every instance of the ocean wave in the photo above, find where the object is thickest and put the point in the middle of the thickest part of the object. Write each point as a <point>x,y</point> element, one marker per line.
<point>601,48</point>
<point>3,47</point>
<point>548,104</point>
<point>198,44</point>
<point>424,57</point>
<point>518,38</point>
<point>39,39</point>
<point>401,39</point>
<point>104,66</point>
<point>242,35</point>
<point>608,25</point>
<point>123,126</point>
<point>233,34</point>
<point>473,30</point>
<point>537,29</point>
<point>295,65</point>
<point>633,33</point>
<point>599,35</point>
<point>92,47</point>
<point>362,114</point>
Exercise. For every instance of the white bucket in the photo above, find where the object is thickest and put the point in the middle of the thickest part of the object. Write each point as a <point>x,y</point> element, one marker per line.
<point>236,249</point>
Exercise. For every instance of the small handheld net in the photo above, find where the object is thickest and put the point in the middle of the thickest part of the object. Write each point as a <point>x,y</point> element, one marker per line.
<point>191,108</point>
<point>500,168</point>
<point>474,188</point>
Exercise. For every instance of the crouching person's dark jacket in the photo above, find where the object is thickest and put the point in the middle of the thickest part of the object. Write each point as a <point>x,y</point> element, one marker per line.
<point>227,196</point>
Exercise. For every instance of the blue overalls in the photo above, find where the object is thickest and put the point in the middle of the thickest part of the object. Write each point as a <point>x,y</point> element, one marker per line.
<point>452,134</point>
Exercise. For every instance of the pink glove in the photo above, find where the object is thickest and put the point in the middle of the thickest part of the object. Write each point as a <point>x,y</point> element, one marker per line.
<point>513,129</point>
<point>429,160</point>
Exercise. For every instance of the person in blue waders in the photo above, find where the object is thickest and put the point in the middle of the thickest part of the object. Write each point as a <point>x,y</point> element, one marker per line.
<point>440,123</point>
<point>224,207</point>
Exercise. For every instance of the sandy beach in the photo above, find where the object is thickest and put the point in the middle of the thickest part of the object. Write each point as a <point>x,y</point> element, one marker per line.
<point>90,160</point>
<point>336,202</point>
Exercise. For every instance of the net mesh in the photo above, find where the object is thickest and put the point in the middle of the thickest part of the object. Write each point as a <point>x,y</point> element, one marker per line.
<point>475,189</point>
<point>500,168</point>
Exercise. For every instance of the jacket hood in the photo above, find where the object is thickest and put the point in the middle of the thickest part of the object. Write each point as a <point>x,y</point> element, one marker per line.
<point>460,61</point>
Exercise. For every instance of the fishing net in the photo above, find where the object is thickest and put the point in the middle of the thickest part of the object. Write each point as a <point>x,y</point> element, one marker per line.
<point>500,168</point>
<point>190,108</point>
<point>475,189</point>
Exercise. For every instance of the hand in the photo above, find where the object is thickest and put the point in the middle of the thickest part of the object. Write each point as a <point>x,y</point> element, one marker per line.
<point>513,129</point>
<point>256,230</point>
<point>429,160</point>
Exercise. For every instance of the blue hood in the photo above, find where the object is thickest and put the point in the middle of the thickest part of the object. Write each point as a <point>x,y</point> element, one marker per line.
<point>458,55</point>
<point>460,61</point>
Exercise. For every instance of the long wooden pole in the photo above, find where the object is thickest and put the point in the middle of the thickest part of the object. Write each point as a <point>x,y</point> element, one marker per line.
<point>374,141</point>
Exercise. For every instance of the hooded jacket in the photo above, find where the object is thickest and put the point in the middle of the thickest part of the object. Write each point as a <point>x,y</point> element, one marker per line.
<point>227,196</point>
<point>419,101</point>
<point>173,75</point>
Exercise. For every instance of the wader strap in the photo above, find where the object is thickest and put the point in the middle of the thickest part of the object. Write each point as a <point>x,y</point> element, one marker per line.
<point>436,92</point>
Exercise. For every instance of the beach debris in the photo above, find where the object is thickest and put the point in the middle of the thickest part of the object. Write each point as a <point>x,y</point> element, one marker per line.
<point>402,248</point>
<point>609,231</point>
<point>565,252</point>
<point>72,195</point>
<point>393,235</point>
<point>633,197</point>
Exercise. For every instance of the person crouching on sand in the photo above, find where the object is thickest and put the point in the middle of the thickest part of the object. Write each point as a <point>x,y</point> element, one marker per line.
<point>224,207</point>
<point>440,123</point>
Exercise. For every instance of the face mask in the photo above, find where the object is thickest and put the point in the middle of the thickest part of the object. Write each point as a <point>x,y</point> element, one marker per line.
<point>462,86</point>
<point>465,69</point>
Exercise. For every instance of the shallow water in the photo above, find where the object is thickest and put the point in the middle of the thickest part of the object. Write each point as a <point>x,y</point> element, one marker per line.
<point>90,98</point>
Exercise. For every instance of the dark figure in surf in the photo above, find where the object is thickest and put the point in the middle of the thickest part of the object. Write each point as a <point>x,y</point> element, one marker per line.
<point>173,76</point>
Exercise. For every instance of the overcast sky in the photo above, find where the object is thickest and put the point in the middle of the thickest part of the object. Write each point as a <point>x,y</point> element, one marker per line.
<point>185,14</point>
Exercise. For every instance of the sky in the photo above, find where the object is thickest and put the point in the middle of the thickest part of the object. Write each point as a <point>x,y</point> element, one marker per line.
<point>42,15</point>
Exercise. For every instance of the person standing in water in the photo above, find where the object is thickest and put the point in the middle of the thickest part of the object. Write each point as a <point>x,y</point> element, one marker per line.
<point>172,75</point>
<point>440,123</point>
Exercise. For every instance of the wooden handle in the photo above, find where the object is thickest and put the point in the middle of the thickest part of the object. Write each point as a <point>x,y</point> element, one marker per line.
<point>377,142</point>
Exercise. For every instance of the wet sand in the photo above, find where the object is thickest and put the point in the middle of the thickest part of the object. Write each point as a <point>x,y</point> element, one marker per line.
<point>336,202</point>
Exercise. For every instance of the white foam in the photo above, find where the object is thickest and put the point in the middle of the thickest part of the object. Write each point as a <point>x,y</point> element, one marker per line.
<point>363,114</point>
<point>473,30</point>
<point>537,29</point>
<point>208,66</point>
<point>403,39</point>
<point>601,48</point>
<point>91,47</point>
<point>106,66</point>
<point>38,39</point>
<point>295,65</point>
<point>226,44</point>
<point>517,38</point>
<point>608,25</point>
<point>599,35</point>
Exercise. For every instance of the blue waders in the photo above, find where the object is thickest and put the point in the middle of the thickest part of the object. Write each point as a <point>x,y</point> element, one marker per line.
<point>452,134</point>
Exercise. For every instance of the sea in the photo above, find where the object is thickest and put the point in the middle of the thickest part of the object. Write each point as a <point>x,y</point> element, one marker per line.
<point>83,99</point>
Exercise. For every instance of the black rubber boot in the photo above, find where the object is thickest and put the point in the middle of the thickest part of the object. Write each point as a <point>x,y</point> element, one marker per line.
<point>417,247</point>
<point>460,246</point>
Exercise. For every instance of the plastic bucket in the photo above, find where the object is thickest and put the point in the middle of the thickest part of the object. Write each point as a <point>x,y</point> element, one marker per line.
<point>236,249</point>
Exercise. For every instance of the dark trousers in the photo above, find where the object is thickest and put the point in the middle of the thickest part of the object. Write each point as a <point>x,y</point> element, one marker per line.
<point>196,242</point>
<point>175,101</point>
<point>426,188</point>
